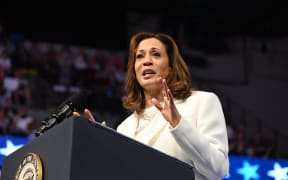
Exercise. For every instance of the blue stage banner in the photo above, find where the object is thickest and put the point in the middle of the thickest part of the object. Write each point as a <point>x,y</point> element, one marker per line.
<point>241,167</point>
<point>9,144</point>
<point>247,168</point>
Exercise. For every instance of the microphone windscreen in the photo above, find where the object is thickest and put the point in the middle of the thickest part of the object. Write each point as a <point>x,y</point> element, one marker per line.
<point>79,101</point>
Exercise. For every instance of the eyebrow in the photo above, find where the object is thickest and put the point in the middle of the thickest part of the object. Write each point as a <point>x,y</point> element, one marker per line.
<point>153,49</point>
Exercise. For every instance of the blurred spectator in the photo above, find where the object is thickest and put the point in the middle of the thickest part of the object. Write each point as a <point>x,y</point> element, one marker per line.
<point>22,122</point>
<point>238,142</point>
<point>80,67</point>
<point>21,60</point>
<point>5,61</point>
<point>11,83</point>
<point>259,144</point>
<point>22,96</point>
<point>65,62</point>
<point>5,98</point>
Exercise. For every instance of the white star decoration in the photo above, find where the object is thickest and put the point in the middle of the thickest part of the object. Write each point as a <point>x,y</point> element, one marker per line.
<point>248,171</point>
<point>10,148</point>
<point>278,173</point>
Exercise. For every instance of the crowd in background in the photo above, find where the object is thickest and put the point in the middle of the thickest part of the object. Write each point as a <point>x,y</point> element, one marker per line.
<point>64,69</point>
<point>254,145</point>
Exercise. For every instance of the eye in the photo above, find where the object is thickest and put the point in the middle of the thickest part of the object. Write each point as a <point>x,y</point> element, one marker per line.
<point>156,54</point>
<point>138,56</point>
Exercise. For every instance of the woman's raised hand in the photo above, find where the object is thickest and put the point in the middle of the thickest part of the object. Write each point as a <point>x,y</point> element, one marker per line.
<point>168,109</point>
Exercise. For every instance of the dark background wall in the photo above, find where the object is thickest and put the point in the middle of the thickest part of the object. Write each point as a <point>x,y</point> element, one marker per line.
<point>105,24</point>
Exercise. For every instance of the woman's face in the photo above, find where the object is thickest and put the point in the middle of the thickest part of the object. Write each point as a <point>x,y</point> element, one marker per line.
<point>151,63</point>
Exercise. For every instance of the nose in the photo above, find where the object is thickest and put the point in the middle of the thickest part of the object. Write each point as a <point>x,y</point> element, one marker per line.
<point>147,61</point>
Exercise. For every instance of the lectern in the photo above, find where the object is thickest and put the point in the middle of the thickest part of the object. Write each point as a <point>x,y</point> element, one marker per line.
<point>78,149</point>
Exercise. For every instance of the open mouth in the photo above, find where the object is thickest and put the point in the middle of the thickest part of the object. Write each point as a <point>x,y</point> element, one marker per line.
<point>148,72</point>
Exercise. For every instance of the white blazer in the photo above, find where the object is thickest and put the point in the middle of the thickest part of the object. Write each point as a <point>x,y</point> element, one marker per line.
<point>199,139</point>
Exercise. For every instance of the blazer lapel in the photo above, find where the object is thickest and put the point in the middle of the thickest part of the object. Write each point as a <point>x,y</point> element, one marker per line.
<point>156,127</point>
<point>131,126</point>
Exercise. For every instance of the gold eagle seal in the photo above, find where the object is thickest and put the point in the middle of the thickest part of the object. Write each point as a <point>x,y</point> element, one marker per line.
<point>30,168</point>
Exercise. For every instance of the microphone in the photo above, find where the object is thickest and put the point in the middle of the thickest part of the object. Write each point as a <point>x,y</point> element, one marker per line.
<point>76,102</point>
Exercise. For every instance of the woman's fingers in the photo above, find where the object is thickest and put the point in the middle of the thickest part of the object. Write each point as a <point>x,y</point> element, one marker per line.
<point>89,115</point>
<point>171,97</point>
<point>103,123</point>
<point>165,89</point>
<point>156,103</point>
<point>76,113</point>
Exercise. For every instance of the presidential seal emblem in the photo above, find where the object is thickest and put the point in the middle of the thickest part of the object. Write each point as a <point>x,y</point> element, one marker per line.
<point>30,168</point>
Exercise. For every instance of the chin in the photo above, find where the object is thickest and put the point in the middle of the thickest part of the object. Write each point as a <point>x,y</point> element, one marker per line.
<point>149,85</point>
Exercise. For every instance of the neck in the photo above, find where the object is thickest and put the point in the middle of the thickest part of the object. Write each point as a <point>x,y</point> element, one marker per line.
<point>149,94</point>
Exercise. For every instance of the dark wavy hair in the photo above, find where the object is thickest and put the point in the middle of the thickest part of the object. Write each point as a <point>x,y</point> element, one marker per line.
<point>178,80</point>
